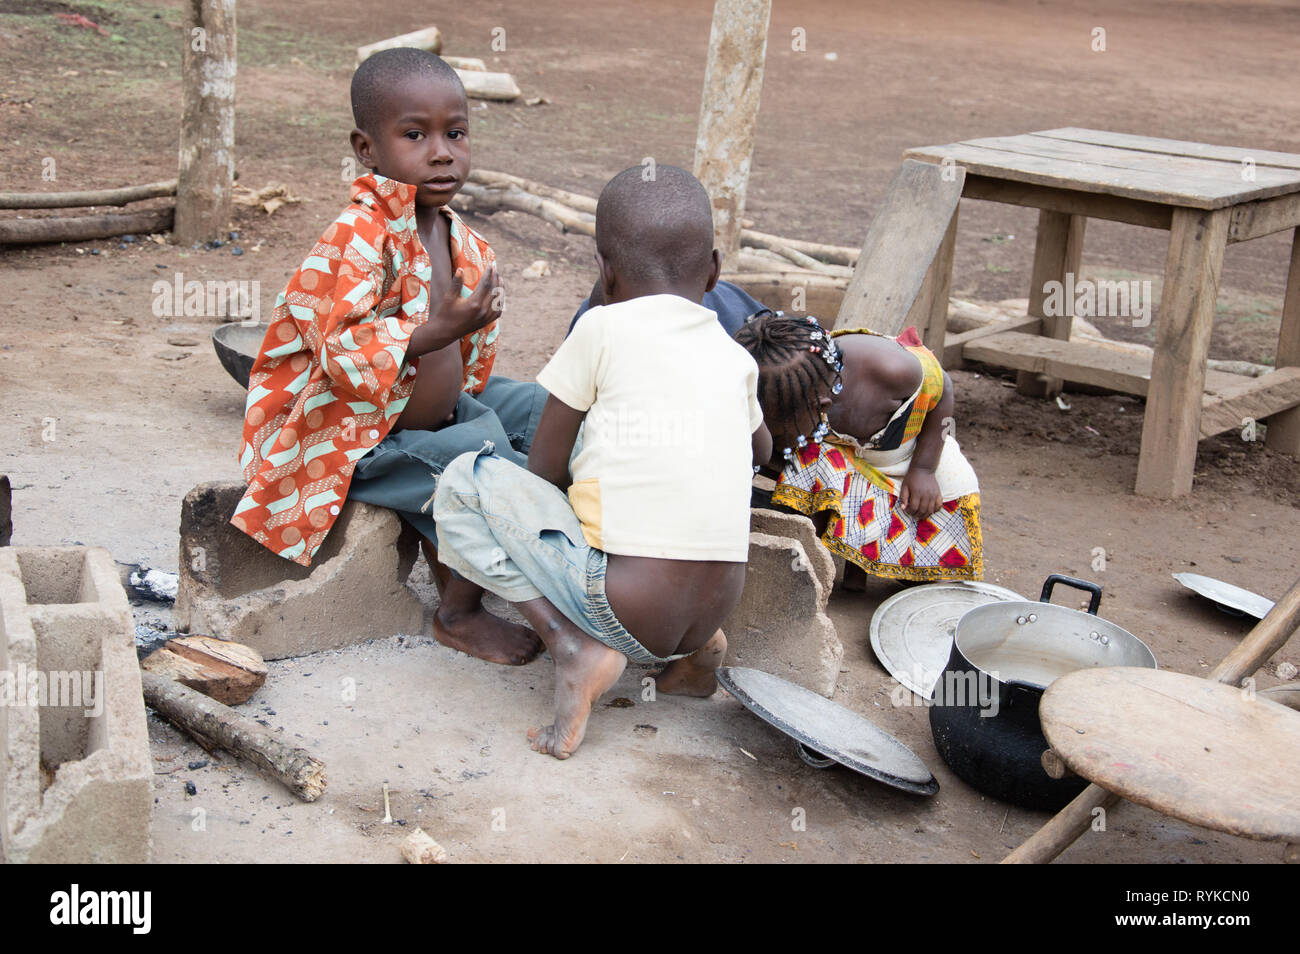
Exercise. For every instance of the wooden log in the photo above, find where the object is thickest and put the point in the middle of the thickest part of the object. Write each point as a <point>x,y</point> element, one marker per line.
<point>751,238</point>
<point>206,169</point>
<point>465,63</point>
<point>796,257</point>
<point>81,228</point>
<point>830,254</point>
<point>495,86</point>
<point>485,201</point>
<point>420,849</point>
<point>575,201</point>
<point>427,39</point>
<point>724,142</point>
<point>225,671</point>
<point>69,200</point>
<point>1268,636</point>
<point>215,725</point>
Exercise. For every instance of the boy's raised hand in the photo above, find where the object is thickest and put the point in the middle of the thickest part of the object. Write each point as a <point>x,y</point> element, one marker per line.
<point>455,317</point>
<point>462,316</point>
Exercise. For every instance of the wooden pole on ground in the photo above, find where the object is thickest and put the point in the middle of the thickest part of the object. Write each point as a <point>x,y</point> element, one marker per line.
<point>724,143</point>
<point>207,152</point>
<point>215,725</point>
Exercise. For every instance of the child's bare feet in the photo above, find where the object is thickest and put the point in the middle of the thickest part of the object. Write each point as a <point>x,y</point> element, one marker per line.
<point>584,669</point>
<point>695,674</point>
<point>487,637</point>
<point>462,623</point>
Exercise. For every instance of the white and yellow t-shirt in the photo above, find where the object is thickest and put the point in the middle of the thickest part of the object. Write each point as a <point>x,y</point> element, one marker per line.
<point>666,462</point>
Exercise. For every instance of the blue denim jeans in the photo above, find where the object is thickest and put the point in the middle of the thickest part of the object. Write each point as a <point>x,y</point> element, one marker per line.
<point>515,534</point>
<point>401,470</point>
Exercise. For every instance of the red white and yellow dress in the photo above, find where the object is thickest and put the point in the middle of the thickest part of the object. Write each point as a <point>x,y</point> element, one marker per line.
<point>858,483</point>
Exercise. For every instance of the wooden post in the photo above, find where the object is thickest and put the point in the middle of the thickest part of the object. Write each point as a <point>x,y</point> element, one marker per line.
<point>724,142</point>
<point>1172,423</point>
<point>1284,429</point>
<point>1058,251</point>
<point>207,153</point>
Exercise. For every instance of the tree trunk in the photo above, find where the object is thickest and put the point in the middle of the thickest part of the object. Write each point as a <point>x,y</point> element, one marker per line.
<point>724,142</point>
<point>207,153</point>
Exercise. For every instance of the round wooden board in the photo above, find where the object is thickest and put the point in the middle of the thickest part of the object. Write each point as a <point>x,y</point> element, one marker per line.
<point>1207,753</point>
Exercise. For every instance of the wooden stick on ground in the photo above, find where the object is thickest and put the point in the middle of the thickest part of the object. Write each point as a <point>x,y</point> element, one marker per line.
<point>826,254</point>
<point>209,721</point>
<point>70,200</point>
<point>81,228</point>
<point>484,201</point>
<point>833,254</point>
<point>576,201</point>
<point>1268,636</point>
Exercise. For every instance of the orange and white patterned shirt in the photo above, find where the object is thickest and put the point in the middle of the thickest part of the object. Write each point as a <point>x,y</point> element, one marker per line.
<point>333,375</point>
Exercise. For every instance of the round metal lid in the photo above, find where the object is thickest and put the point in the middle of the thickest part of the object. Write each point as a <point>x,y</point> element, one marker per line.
<point>829,729</point>
<point>912,631</point>
<point>1232,599</point>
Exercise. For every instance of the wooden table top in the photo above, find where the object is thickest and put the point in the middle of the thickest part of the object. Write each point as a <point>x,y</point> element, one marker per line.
<point>1165,171</point>
<point>1199,750</point>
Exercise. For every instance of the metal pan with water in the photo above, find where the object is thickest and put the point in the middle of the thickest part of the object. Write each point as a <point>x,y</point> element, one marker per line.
<point>1004,655</point>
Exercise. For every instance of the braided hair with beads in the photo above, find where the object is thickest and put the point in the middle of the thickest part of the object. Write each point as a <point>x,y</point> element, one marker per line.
<point>798,365</point>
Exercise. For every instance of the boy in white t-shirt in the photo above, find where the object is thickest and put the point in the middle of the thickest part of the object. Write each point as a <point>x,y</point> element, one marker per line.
<point>640,551</point>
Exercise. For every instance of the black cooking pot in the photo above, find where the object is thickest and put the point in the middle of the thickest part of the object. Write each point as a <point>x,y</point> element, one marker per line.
<point>984,714</point>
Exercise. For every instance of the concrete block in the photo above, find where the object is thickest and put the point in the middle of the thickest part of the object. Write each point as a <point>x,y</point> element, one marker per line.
<point>781,626</point>
<point>77,780</point>
<point>233,588</point>
<point>797,527</point>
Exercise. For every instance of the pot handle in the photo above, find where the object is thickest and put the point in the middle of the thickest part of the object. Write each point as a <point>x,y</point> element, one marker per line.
<point>1094,603</point>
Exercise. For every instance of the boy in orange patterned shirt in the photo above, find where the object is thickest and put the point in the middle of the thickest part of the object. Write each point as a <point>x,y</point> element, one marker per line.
<point>375,370</point>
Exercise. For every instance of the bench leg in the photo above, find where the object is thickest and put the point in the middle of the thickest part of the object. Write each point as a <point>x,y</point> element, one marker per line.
<point>929,313</point>
<point>1058,250</point>
<point>1284,429</point>
<point>1172,424</point>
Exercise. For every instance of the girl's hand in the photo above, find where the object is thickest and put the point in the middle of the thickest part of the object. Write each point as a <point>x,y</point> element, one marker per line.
<point>919,495</point>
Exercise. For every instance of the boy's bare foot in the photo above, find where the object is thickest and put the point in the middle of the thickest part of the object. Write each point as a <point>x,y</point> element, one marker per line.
<point>485,636</point>
<point>584,669</point>
<point>695,674</point>
<point>855,578</point>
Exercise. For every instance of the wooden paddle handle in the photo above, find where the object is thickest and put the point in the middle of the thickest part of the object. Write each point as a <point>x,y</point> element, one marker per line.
<point>1268,636</point>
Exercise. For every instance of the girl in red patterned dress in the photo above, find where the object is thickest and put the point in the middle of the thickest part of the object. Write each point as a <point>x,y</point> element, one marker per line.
<point>862,430</point>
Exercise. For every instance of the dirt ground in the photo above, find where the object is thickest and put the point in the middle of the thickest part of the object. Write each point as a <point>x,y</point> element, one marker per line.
<point>113,412</point>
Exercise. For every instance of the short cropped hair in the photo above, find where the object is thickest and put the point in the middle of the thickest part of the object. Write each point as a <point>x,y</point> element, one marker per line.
<point>655,222</point>
<point>379,73</point>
